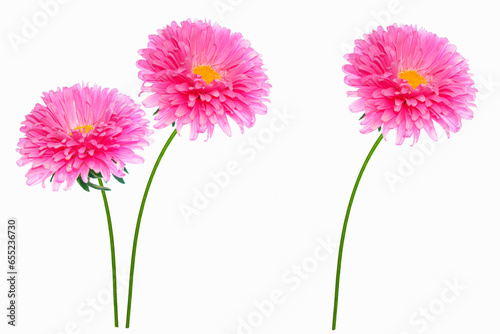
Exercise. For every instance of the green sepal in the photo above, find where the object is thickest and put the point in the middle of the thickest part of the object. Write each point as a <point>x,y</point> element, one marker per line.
<point>173,124</point>
<point>98,187</point>
<point>125,169</point>
<point>94,175</point>
<point>156,111</point>
<point>379,129</point>
<point>52,177</point>
<point>119,179</point>
<point>82,184</point>
<point>362,117</point>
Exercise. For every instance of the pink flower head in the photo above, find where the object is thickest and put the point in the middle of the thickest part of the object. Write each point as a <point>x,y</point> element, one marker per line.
<point>201,74</point>
<point>407,79</point>
<point>81,129</point>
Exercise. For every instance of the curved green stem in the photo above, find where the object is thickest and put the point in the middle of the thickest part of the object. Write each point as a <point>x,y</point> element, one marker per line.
<point>346,219</point>
<point>138,225</point>
<point>113,260</point>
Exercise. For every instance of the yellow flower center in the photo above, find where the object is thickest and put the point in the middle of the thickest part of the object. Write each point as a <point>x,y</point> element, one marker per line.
<point>413,78</point>
<point>85,128</point>
<point>207,73</point>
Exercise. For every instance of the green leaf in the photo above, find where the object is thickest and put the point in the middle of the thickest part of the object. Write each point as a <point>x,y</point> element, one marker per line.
<point>362,117</point>
<point>95,175</point>
<point>82,184</point>
<point>119,179</point>
<point>96,186</point>
<point>156,111</point>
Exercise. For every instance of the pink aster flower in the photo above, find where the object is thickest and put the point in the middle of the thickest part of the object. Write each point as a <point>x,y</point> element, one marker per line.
<point>202,74</point>
<point>407,80</point>
<point>199,74</point>
<point>81,129</point>
<point>83,132</point>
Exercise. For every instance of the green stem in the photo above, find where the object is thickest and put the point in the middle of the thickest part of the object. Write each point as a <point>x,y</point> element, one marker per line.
<point>138,225</point>
<point>346,219</point>
<point>112,243</point>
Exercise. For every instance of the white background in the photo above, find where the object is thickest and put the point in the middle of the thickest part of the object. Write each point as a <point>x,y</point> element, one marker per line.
<point>438,223</point>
